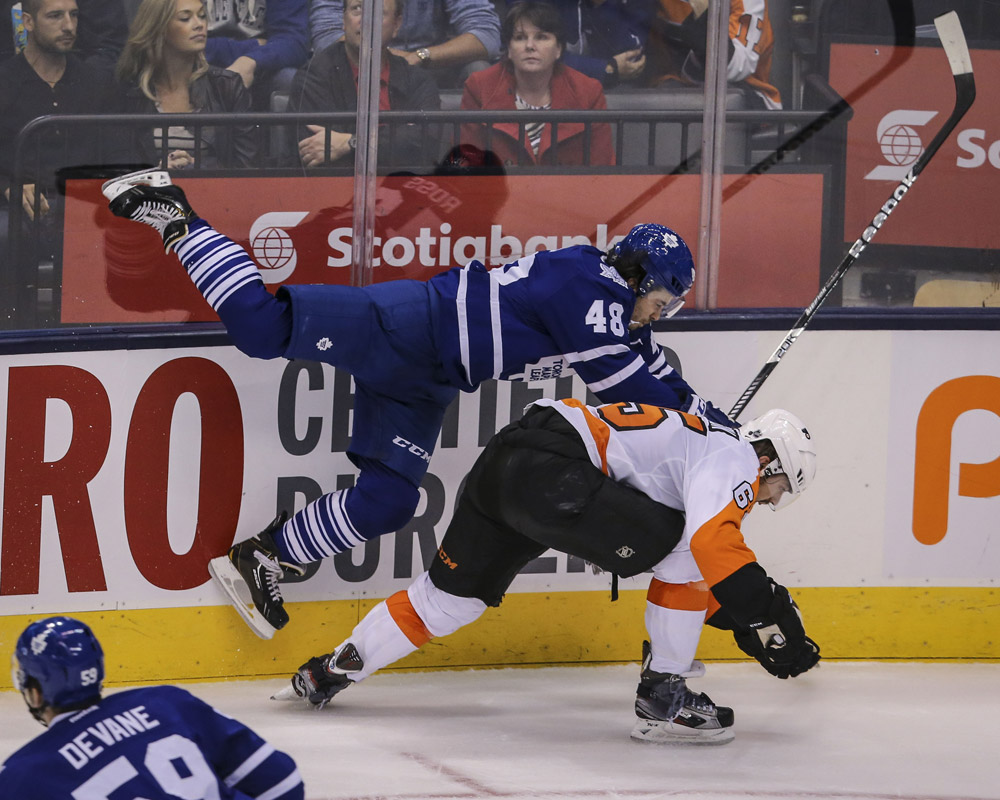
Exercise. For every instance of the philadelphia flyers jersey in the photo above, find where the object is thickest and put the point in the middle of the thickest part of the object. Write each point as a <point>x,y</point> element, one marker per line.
<point>685,462</point>
<point>752,41</point>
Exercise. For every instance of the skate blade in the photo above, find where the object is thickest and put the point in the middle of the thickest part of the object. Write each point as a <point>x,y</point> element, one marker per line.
<point>231,582</point>
<point>146,177</point>
<point>663,732</point>
<point>287,693</point>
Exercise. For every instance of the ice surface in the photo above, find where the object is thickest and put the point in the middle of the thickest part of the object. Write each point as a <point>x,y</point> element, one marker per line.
<point>845,730</point>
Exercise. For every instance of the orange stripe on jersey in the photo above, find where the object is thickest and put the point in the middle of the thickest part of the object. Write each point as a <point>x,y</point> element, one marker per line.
<point>692,596</point>
<point>406,617</point>
<point>597,428</point>
<point>718,547</point>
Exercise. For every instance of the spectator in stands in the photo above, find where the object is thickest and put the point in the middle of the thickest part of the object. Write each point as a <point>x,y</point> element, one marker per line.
<point>103,31</point>
<point>532,77</point>
<point>264,43</point>
<point>606,39</point>
<point>46,78</point>
<point>330,83</point>
<point>679,38</point>
<point>163,69</point>
<point>449,38</point>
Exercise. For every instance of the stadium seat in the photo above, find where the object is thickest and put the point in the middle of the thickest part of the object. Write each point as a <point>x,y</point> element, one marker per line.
<point>667,138</point>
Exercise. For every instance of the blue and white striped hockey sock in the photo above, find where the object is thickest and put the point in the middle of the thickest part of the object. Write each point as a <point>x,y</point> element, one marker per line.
<point>258,323</point>
<point>381,502</point>
<point>217,265</point>
<point>320,530</point>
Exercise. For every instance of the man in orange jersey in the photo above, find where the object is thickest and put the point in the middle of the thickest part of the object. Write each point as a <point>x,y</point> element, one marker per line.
<point>678,39</point>
<point>628,487</point>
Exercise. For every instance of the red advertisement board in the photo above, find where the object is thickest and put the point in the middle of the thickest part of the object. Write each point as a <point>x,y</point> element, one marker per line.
<point>299,230</point>
<point>952,204</point>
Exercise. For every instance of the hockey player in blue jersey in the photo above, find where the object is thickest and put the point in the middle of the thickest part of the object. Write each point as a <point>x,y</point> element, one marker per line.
<point>411,347</point>
<point>156,742</point>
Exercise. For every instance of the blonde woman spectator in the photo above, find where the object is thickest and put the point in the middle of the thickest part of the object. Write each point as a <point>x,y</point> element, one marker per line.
<point>163,70</point>
<point>532,77</point>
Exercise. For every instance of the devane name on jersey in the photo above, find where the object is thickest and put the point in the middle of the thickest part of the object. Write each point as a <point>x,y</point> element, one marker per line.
<point>438,250</point>
<point>105,733</point>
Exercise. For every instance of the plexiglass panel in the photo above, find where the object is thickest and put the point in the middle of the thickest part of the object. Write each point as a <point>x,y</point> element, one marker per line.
<point>491,129</point>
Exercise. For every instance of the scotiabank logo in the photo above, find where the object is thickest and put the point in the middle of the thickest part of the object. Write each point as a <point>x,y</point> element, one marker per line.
<point>978,151</point>
<point>932,475</point>
<point>900,141</point>
<point>272,247</point>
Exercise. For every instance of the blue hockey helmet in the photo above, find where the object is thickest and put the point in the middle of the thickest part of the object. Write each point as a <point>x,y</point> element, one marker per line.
<point>666,259</point>
<point>64,657</point>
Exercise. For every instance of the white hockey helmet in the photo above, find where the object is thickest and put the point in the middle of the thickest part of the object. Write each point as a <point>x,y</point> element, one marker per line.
<point>794,446</point>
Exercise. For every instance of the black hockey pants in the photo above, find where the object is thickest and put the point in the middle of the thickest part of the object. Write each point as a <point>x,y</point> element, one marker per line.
<point>534,488</point>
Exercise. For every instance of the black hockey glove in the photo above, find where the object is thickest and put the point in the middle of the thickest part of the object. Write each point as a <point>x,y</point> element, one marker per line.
<point>778,640</point>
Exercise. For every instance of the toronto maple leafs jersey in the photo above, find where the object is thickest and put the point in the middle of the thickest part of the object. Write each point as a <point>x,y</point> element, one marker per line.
<point>685,462</point>
<point>548,314</point>
<point>156,742</point>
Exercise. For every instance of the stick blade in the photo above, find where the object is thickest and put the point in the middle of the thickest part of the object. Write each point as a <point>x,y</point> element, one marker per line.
<point>949,29</point>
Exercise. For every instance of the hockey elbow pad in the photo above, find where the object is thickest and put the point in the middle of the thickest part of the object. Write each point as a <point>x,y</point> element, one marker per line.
<point>778,641</point>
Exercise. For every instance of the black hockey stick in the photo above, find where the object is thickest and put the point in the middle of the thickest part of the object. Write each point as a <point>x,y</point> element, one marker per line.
<point>953,40</point>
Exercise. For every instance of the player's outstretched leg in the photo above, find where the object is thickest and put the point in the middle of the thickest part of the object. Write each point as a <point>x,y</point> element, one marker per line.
<point>249,575</point>
<point>393,629</point>
<point>148,196</point>
<point>668,712</point>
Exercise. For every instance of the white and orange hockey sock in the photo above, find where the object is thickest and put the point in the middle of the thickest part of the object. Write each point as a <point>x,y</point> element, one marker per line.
<point>406,621</point>
<point>675,615</point>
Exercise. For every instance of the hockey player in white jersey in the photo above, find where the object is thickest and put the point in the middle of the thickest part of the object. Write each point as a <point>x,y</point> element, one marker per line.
<point>155,742</point>
<point>628,487</point>
<point>411,347</point>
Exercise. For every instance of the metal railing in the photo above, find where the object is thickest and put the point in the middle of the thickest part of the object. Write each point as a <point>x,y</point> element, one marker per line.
<point>650,141</point>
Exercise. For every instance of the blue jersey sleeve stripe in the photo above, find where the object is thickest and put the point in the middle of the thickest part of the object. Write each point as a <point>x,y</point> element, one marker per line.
<point>248,766</point>
<point>463,322</point>
<point>658,362</point>
<point>283,788</point>
<point>496,324</point>
<point>663,372</point>
<point>597,352</point>
<point>618,377</point>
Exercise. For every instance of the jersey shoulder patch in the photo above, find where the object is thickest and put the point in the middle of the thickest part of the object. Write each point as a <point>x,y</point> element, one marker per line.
<point>607,271</point>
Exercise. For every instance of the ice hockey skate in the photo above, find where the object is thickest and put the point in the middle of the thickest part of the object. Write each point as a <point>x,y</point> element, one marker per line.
<point>249,575</point>
<point>322,677</point>
<point>148,196</point>
<point>670,713</point>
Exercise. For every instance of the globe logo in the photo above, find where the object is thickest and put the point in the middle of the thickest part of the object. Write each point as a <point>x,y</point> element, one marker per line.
<point>900,145</point>
<point>899,142</point>
<point>273,248</point>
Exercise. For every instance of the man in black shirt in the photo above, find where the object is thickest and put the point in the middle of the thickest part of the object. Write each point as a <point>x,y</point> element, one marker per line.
<point>44,79</point>
<point>329,83</point>
<point>47,79</point>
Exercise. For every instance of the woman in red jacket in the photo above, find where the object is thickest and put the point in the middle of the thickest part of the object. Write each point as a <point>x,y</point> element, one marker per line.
<point>531,77</point>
